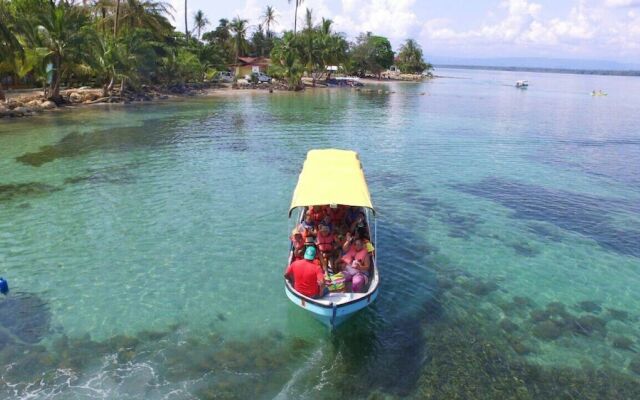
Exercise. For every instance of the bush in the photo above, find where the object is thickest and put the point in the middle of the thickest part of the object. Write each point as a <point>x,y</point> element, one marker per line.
<point>276,72</point>
<point>210,74</point>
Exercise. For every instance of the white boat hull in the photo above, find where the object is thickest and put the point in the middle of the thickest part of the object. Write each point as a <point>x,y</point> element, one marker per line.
<point>335,308</point>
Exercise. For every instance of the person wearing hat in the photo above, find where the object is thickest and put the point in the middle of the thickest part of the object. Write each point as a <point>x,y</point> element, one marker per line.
<point>308,277</point>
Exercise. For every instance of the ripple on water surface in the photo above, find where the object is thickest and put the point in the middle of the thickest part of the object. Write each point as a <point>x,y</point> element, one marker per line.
<point>142,254</point>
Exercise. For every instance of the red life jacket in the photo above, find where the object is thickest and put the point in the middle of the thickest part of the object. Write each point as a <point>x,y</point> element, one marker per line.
<point>325,243</point>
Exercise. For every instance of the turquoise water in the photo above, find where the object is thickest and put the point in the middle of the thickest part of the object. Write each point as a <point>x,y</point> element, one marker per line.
<point>144,245</point>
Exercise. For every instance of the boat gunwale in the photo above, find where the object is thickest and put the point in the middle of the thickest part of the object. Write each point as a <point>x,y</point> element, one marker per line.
<point>366,296</point>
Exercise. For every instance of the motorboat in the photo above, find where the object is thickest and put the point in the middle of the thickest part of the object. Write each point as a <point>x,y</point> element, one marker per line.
<point>334,178</point>
<point>522,84</point>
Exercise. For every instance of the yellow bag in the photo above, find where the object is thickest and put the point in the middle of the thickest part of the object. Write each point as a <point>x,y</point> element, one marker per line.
<point>335,282</point>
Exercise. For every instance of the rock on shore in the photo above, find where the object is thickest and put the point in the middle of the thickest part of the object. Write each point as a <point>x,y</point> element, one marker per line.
<point>36,103</point>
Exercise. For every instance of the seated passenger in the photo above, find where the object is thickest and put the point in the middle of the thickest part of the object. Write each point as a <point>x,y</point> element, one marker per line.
<point>307,276</point>
<point>367,243</point>
<point>359,226</point>
<point>297,244</point>
<point>351,215</point>
<point>326,242</point>
<point>356,263</point>
<point>317,214</point>
<point>327,222</point>
<point>308,226</point>
<point>338,214</point>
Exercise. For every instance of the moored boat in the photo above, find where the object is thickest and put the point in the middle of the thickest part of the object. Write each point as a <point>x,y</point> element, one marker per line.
<point>334,178</point>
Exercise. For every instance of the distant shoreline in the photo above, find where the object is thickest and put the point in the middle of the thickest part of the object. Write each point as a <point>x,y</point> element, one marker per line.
<point>544,70</point>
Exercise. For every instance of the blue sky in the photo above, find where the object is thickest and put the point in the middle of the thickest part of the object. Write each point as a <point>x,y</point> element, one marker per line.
<point>585,29</point>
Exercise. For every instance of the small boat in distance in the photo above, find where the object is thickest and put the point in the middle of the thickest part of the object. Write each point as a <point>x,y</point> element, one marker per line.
<point>522,84</point>
<point>598,93</point>
<point>334,178</point>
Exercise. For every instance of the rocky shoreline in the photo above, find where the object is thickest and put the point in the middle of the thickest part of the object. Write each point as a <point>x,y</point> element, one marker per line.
<point>34,103</point>
<point>28,104</point>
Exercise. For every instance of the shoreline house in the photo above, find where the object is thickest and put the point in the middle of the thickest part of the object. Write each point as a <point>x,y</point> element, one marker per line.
<point>248,65</point>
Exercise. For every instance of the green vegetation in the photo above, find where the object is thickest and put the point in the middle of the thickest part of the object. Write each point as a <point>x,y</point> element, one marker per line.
<point>311,50</point>
<point>370,53</point>
<point>123,45</point>
<point>410,59</point>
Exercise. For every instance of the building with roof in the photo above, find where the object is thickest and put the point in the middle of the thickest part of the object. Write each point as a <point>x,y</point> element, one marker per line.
<point>247,65</point>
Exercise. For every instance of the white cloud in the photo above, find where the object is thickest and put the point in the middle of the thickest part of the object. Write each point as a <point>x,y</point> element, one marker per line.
<point>622,3</point>
<point>392,18</point>
<point>521,25</point>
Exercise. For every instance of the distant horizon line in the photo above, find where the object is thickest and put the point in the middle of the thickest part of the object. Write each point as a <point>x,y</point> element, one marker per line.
<point>575,71</point>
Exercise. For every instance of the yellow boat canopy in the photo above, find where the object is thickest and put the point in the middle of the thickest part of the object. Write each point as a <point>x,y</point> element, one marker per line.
<point>331,176</point>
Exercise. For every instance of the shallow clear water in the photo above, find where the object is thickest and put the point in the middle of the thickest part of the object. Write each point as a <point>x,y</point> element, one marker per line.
<point>144,244</point>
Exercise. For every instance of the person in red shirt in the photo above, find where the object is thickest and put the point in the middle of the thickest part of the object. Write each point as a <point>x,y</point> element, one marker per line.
<point>308,277</point>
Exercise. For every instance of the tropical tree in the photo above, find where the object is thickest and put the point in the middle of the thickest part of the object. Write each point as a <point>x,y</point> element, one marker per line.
<point>268,19</point>
<point>10,47</point>
<point>371,54</point>
<point>147,14</point>
<point>115,21</point>
<point>239,29</point>
<point>186,28</point>
<point>102,14</point>
<point>138,57</point>
<point>260,44</point>
<point>59,28</point>
<point>319,47</point>
<point>200,21</point>
<point>104,60</point>
<point>285,53</point>
<point>410,60</point>
<point>295,21</point>
<point>308,46</point>
<point>333,46</point>
<point>221,37</point>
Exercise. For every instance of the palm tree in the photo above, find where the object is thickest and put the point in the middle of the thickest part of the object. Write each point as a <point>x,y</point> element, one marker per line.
<point>410,59</point>
<point>104,60</point>
<point>295,21</point>
<point>285,52</point>
<point>186,30</point>
<point>59,30</point>
<point>115,22</point>
<point>100,8</point>
<point>147,14</point>
<point>308,20</point>
<point>269,18</point>
<point>9,45</point>
<point>239,28</point>
<point>200,21</point>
